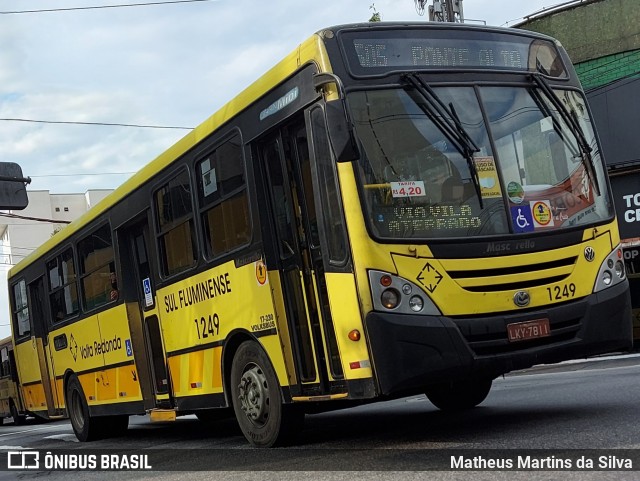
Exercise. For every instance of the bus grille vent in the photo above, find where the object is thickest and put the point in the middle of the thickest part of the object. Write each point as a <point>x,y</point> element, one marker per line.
<point>514,277</point>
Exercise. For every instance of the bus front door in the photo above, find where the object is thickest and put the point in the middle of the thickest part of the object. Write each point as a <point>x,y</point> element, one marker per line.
<point>144,320</point>
<point>298,254</point>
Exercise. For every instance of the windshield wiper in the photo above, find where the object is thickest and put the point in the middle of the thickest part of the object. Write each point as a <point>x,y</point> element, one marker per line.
<point>446,119</point>
<point>557,126</point>
<point>583,145</point>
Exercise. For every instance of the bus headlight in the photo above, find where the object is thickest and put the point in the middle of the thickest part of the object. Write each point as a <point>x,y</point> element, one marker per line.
<point>612,271</point>
<point>397,294</point>
<point>390,298</point>
<point>619,268</point>
<point>416,303</point>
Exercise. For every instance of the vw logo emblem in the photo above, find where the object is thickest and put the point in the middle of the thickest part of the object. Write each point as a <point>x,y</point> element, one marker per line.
<point>589,253</point>
<point>521,298</point>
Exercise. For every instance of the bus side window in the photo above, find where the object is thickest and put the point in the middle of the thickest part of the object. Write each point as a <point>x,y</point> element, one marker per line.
<point>174,224</point>
<point>21,325</point>
<point>4,367</point>
<point>223,199</point>
<point>63,291</point>
<point>97,268</point>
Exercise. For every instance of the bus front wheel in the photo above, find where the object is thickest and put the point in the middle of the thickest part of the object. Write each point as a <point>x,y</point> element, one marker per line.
<point>459,396</point>
<point>257,402</point>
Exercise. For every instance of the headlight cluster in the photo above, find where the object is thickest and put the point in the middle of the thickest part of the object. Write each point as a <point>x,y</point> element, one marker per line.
<point>393,293</point>
<point>611,272</point>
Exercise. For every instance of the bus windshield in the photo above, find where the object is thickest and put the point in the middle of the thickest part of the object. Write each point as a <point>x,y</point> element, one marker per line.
<point>526,168</point>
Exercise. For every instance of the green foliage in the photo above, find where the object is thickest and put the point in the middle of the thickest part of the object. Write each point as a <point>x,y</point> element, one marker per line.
<point>375,17</point>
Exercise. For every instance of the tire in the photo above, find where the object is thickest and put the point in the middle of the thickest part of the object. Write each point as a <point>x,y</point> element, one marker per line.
<point>17,419</point>
<point>84,426</point>
<point>459,396</point>
<point>257,401</point>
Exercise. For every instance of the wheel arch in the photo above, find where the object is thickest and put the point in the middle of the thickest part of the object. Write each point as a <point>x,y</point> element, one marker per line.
<point>231,345</point>
<point>65,383</point>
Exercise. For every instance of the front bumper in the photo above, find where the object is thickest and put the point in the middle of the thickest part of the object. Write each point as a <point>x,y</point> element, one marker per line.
<point>411,352</point>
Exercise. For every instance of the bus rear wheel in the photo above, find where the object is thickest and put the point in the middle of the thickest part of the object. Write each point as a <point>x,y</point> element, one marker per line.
<point>84,426</point>
<point>257,401</point>
<point>459,396</point>
<point>17,418</point>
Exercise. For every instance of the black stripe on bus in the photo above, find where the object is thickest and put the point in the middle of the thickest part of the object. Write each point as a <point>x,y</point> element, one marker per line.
<point>115,408</point>
<point>97,369</point>
<point>202,401</point>
<point>211,345</point>
<point>32,383</point>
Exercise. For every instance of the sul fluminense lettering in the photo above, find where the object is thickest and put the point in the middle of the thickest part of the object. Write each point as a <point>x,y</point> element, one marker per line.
<point>208,289</point>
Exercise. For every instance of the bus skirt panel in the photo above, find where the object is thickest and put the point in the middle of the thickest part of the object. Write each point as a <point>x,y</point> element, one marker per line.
<point>411,352</point>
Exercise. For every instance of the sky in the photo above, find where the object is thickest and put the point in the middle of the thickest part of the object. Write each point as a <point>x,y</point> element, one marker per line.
<point>168,65</point>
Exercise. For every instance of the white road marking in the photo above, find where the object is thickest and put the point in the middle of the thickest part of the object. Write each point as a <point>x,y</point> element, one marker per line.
<point>44,428</point>
<point>64,437</point>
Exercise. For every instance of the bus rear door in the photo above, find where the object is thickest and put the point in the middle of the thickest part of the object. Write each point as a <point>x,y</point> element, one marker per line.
<point>144,321</point>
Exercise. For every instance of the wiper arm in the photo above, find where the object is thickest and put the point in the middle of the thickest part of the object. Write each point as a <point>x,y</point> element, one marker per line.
<point>585,149</point>
<point>557,127</point>
<point>468,155</point>
<point>447,120</point>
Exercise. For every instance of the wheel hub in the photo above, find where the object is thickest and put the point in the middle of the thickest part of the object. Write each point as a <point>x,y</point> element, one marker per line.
<point>254,395</point>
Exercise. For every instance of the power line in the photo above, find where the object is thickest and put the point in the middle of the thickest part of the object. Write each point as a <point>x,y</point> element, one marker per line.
<point>83,174</point>
<point>107,124</point>
<point>48,10</point>
<point>38,219</point>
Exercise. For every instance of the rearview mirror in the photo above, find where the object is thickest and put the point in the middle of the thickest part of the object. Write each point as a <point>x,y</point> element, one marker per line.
<point>340,132</point>
<point>13,189</point>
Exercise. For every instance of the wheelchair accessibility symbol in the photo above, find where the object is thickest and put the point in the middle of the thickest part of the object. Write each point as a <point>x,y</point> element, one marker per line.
<point>522,218</point>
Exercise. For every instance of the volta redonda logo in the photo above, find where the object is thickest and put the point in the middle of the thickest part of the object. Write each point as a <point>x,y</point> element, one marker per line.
<point>99,348</point>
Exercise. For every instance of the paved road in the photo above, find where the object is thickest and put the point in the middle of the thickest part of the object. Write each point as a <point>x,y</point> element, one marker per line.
<point>582,406</point>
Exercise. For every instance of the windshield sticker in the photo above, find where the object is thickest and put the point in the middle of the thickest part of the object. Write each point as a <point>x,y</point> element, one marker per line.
<point>566,203</point>
<point>515,192</point>
<point>414,188</point>
<point>488,177</point>
<point>541,211</point>
<point>522,219</point>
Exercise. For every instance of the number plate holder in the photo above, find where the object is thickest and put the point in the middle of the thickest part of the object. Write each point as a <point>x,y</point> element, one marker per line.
<point>523,331</point>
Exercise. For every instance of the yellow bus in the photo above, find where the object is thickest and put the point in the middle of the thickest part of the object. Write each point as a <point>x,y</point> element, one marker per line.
<point>10,401</point>
<point>391,209</point>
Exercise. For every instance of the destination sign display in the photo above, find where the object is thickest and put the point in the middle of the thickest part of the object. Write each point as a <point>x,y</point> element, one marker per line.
<point>429,49</point>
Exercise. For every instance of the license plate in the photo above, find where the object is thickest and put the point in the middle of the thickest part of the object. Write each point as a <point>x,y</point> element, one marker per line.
<point>522,331</point>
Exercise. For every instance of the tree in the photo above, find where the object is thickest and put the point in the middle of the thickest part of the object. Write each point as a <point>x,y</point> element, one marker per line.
<point>375,17</point>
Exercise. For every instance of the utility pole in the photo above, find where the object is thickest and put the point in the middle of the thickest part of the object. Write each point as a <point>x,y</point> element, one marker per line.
<point>442,10</point>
